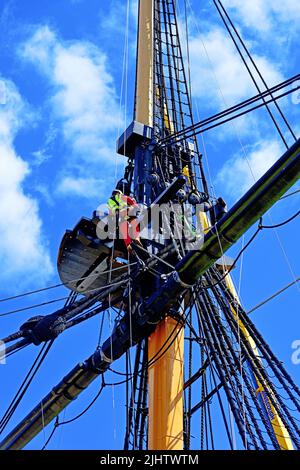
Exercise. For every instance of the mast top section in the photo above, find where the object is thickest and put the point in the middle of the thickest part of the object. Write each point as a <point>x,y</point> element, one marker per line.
<point>144,84</point>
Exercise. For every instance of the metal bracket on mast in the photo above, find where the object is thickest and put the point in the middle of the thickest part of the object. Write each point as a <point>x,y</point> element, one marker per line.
<point>137,134</point>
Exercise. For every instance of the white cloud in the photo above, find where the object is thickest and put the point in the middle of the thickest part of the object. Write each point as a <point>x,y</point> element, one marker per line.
<point>22,248</point>
<point>240,172</point>
<point>264,15</point>
<point>83,187</point>
<point>254,13</point>
<point>218,73</point>
<point>83,100</point>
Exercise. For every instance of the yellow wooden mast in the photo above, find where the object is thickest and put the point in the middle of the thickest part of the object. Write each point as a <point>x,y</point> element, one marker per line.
<point>144,84</point>
<point>166,373</point>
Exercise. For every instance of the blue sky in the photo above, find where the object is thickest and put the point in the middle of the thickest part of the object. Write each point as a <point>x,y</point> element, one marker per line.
<point>67,80</point>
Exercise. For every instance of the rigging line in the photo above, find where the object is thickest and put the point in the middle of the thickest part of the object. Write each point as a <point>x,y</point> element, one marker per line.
<point>71,420</point>
<point>260,105</point>
<point>133,382</point>
<point>54,286</point>
<point>243,149</point>
<point>124,80</point>
<point>239,139</point>
<point>280,291</point>
<point>118,383</point>
<point>250,73</point>
<point>233,362</point>
<point>235,260</point>
<point>58,423</point>
<point>273,398</point>
<point>237,306</point>
<point>222,409</point>
<point>237,107</point>
<point>86,315</point>
<point>20,393</point>
<point>290,194</point>
<point>260,227</point>
<point>263,346</point>
<point>246,156</point>
<point>117,372</point>
<point>219,360</point>
<point>189,99</point>
<point>245,378</point>
<point>128,423</point>
<point>208,403</point>
<point>232,435</point>
<point>226,344</point>
<point>111,329</point>
<point>43,421</point>
<point>59,299</point>
<point>256,68</point>
<point>281,224</point>
<point>59,438</point>
<point>285,255</point>
<point>83,317</point>
<point>126,71</point>
<point>23,383</point>
<point>209,60</point>
<point>260,372</point>
<point>101,329</point>
<point>158,356</point>
<point>188,48</point>
<point>16,347</point>
<point>171,11</point>
<point>16,350</point>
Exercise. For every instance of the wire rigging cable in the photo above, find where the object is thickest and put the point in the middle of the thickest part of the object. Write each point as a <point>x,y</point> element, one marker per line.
<point>256,67</point>
<point>54,286</point>
<point>232,113</point>
<point>42,304</point>
<point>280,291</point>
<point>250,73</point>
<point>24,386</point>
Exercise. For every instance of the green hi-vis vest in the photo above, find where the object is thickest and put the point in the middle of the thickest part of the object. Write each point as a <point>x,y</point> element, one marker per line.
<point>116,203</point>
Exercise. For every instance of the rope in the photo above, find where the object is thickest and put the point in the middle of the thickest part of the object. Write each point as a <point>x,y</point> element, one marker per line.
<point>24,386</point>
<point>71,420</point>
<point>281,224</point>
<point>54,286</point>
<point>59,299</point>
<point>250,73</point>
<point>187,47</point>
<point>260,227</point>
<point>209,286</point>
<point>238,107</point>
<point>290,194</point>
<point>199,129</point>
<point>280,291</point>
<point>257,70</point>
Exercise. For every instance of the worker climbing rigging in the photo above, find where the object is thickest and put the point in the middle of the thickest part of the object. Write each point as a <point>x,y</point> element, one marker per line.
<point>124,210</point>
